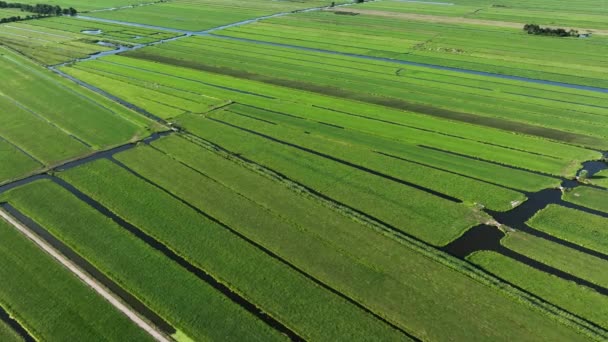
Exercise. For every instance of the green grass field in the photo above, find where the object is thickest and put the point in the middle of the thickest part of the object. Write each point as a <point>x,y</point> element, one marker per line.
<point>49,301</point>
<point>577,299</point>
<point>198,15</point>
<point>297,169</point>
<point>573,225</point>
<point>197,310</point>
<point>589,197</point>
<point>508,51</point>
<point>563,258</point>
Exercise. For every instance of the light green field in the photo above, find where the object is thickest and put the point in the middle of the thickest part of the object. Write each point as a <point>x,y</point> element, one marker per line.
<point>50,302</point>
<point>198,15</point>
<point>575,226</point>
<point>589,197</point>
<point>563,258</point>
<point>308,309</point>
<point>15,163</point>
<point>580,14</point>
<point>405,126</point>
<point>430,92</point>
<point>77,113</point>
<point>600,178</point>
<point>57,40</point>
<point>197,309</point>
<point>575,298</point>
<point>508,51</point>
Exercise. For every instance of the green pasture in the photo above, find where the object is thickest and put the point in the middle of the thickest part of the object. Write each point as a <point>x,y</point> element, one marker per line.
<point>573,225</point>
<point>563,258</point>
<point>195,308</point>
<point>288,296</point>
<point>589,197</point>
<point>578,299</point>
<point>50,302</point>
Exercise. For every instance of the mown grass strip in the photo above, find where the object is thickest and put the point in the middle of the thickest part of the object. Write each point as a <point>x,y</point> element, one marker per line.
<point>569,260</point>
<point>575,298</point>
<point>197,309</point>
<point>374,195</point>
<point>588,197</point>
<point>573,225</point>
<point>392,259</point>
<point>50,302</point>
<point>303,306</point>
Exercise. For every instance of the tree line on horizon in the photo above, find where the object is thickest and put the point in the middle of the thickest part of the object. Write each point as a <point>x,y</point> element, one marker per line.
<point>38,11</point>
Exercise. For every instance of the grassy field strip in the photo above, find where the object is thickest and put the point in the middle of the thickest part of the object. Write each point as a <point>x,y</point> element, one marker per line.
<point>585,121</point>
<point>15,163</point>
<point>150,97</point>
<point>394,101</point>
<point>571,261</point>
<point>443,308</point>
<point>376,196</point>
<point>574,226</point>
<point>600,179</point>
<point>76,113</point>
<point>189,81</point>
<point>491,173</point>
<point>234,261</point>
<point>412,80</point>
<point>575,298</point>
<point>232,176</point>
<point>588,197</point>
<point>455,46</point>
<point>38,136</point>
<point>383,70</point>
<point>197,15</point>
<point>380,67</point>
<point>198,310</point>
<point>34,288</point>
<point>141,65</point>
<point>463,188</point>
<point>319,258</point>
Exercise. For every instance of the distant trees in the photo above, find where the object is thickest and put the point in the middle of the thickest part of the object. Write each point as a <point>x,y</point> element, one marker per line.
<point>39,11</point>
<point>547,31</point>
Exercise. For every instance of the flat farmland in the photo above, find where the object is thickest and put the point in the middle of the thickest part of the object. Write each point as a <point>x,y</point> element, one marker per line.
<point>304,170</point>
<point>508,51</point>
<point>198,15</point>
<point>58,40</point>
<point>39,131</point>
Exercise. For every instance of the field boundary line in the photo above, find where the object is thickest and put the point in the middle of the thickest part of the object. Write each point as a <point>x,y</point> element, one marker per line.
<point>115,302</point>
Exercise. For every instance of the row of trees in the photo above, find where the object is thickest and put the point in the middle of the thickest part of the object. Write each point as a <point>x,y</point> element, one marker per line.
<point>39,11</point>
<point>547,31</point>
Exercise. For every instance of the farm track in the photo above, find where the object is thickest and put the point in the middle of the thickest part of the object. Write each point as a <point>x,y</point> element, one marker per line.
<point>24,334</point>
<point>89,268</point>
<point>93,284</point>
